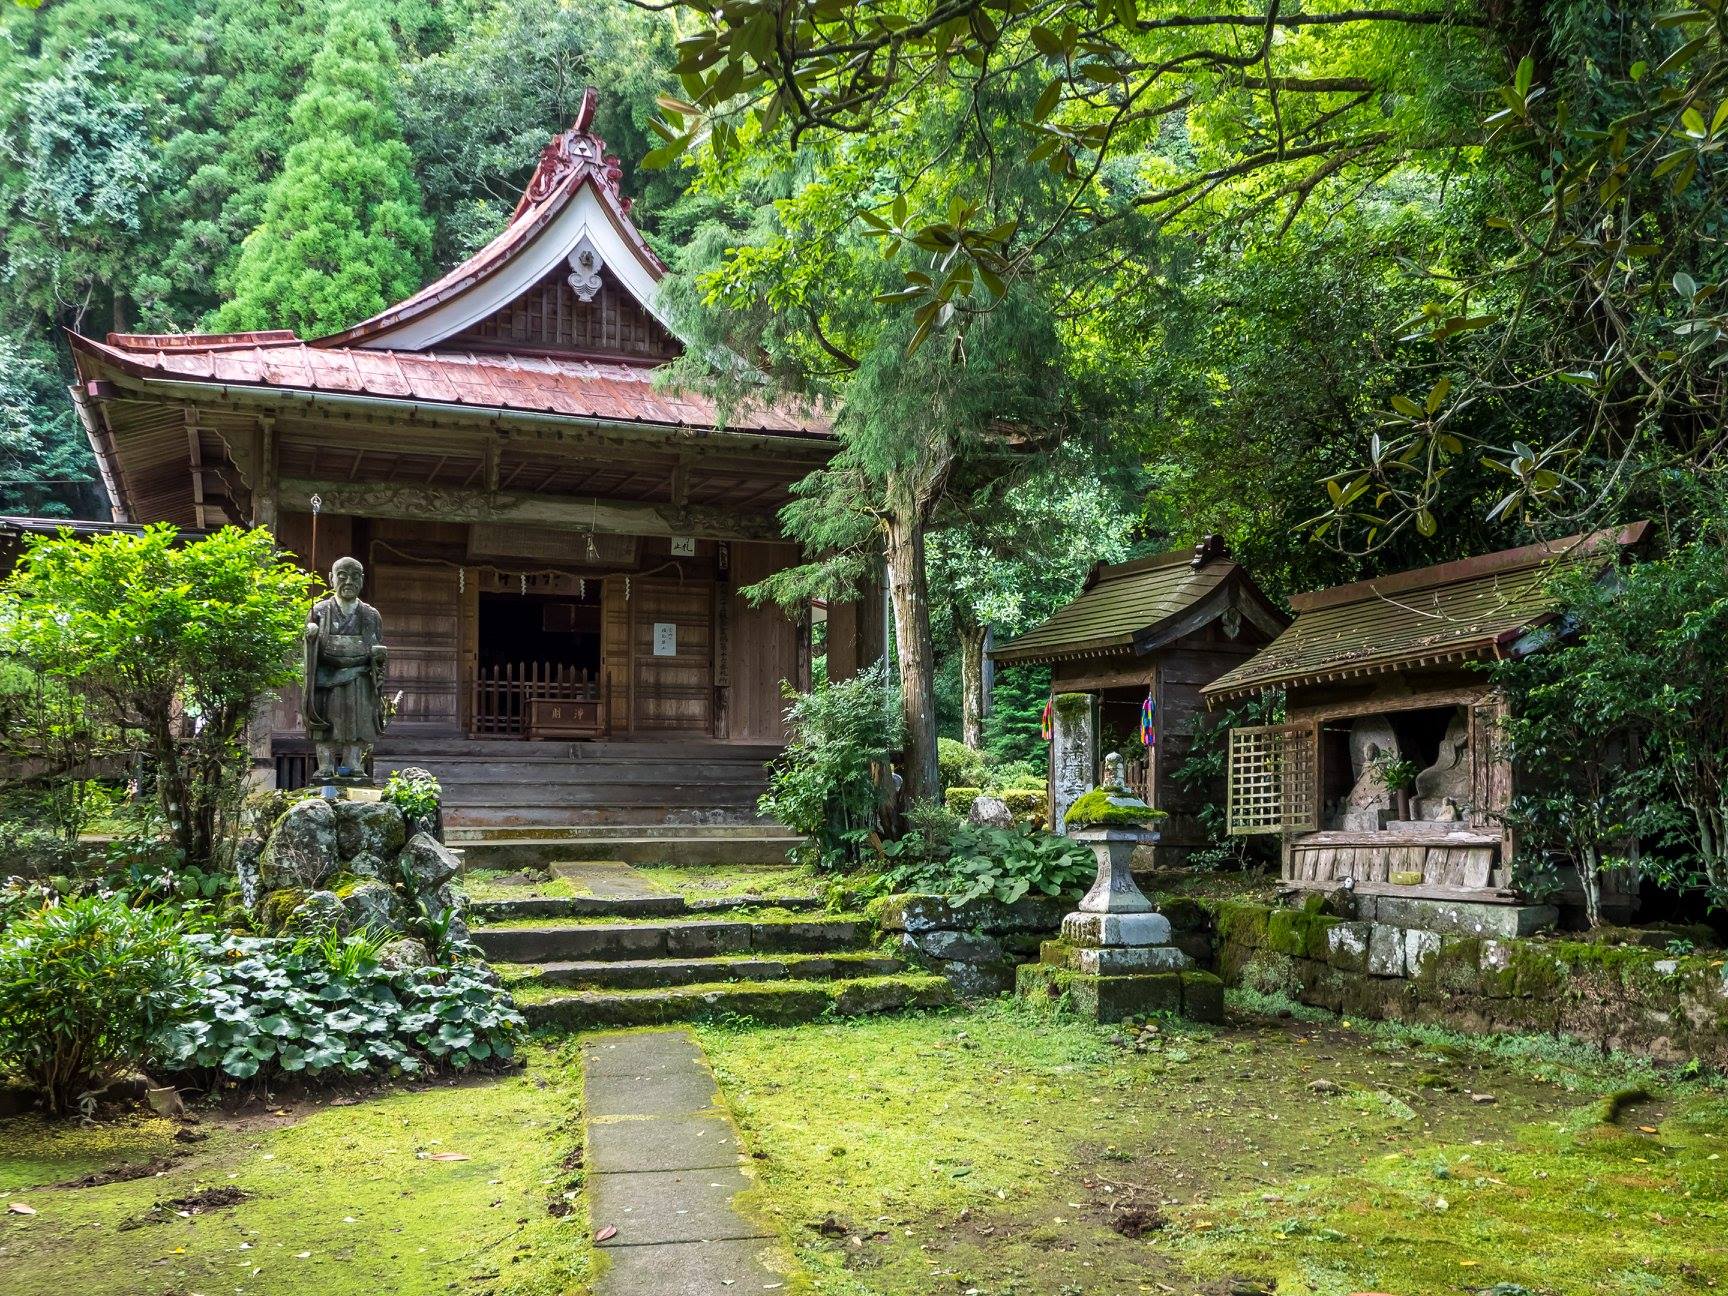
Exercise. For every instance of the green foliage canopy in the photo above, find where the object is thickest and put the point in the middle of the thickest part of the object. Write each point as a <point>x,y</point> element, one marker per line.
<point>344,233</point>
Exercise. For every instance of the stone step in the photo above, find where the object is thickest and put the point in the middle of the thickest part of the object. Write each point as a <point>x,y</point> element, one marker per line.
<point>689,938</point>
<point>772,1002</point>
<point>649,906</point>
<point>662,846</point>
<point>652,974</point>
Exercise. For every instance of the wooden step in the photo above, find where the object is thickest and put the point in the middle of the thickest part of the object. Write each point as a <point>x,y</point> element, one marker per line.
<point>666,846</point>
<point>690,938</point>
<point>463,836</point>
<point>773,1002</point>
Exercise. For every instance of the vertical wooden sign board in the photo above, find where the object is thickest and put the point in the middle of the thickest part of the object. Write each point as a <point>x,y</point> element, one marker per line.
<point>1073,753</point>
<point>722,638</point>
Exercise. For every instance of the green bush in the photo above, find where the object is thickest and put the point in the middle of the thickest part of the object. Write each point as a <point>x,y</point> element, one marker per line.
<point>822,785</point>
<point>328,1007</point>
<point>1024,800</point>
<point>959,799</point>
<point>418,796</point>
<point>84,987</point>
<point>961,765</point>
<point>952,858</point>
<point>1014,774</point>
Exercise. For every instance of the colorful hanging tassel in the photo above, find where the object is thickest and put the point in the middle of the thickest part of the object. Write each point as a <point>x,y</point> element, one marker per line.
<point>1148,734</point>
<point>1044,724</point>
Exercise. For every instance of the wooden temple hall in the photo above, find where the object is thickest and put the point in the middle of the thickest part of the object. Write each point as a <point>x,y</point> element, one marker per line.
<point>556,544</point>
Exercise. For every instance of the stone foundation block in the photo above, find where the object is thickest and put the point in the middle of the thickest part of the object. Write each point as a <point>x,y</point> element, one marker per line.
<point>1123,959</point>
<point>1347,946</point>
<point>1116,929</point>
<point>1386,950</point>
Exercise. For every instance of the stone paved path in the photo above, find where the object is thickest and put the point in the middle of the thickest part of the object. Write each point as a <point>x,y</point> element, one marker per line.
<point>664,1164</point>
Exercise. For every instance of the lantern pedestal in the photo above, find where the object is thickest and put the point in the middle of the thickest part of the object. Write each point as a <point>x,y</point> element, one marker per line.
<point>1115,959</point>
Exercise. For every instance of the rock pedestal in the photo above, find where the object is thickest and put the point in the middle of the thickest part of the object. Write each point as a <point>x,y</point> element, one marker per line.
<point>1115,959</point>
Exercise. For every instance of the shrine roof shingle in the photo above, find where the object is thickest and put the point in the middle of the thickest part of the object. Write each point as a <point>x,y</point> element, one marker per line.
<point>1449,613</point>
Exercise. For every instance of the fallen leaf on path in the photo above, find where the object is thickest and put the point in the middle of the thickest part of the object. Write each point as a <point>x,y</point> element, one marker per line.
<point>449,1156</point>
<point>607,1233</point>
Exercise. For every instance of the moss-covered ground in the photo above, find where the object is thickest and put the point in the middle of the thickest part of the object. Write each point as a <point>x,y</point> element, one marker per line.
<point>472,1187</point>
<point>512,884</point>
<point>999,1153</point>
<point>697,882</point>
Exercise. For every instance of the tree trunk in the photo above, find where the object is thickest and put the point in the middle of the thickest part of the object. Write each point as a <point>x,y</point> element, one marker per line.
<point>908,590</point>
<point>971,684</point>
<point>1590,877</point>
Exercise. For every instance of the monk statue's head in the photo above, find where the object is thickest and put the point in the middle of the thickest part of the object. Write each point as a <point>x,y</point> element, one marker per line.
<point>346,578</point>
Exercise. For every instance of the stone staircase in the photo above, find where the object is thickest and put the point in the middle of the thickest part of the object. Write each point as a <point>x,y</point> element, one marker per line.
<point>634,957</point>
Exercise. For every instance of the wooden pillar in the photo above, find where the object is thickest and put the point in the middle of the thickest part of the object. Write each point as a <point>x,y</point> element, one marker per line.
<point>266,493</point>
<point>722,639</point>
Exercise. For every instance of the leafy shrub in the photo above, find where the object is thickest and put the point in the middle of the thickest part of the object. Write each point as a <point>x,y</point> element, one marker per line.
<point>1023,801</point>
<point>34,850</point>
<point>1014,774</point>
<point>822,785</point>
<point>965,862</point>
<point>417,795</point>
<point>152,631</point>
<point>328,1007</point>
<point>961,766</point>
<point>22,896</point>
<point>84,987</point>
<point>960,799</point>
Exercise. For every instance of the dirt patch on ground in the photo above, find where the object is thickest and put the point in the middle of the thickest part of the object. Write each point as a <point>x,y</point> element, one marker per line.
<point>197,1203</point>
<point>122,1174</point>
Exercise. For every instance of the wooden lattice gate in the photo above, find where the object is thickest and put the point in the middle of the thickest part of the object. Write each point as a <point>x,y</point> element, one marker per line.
<point>1274,779</point>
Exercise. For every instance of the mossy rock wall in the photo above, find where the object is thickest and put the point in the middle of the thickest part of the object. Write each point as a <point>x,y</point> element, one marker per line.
<point>1626,997</point>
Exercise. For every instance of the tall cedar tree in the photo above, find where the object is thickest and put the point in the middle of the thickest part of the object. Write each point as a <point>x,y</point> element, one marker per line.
<point>344,233</point>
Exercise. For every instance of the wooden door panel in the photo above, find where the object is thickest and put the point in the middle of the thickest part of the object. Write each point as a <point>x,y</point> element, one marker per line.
<point>674,692</point>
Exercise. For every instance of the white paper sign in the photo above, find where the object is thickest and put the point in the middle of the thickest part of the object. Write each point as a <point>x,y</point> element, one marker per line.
<point>683,547</point>
<point>665,639</point>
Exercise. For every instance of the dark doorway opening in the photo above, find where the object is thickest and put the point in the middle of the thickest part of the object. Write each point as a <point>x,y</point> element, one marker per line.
<point>534,646</point>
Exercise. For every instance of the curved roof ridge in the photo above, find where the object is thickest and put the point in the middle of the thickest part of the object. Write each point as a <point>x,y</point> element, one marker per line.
<point>572,159</point>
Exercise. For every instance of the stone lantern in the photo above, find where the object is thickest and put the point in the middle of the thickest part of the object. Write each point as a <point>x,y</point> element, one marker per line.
<point>1115,958</point>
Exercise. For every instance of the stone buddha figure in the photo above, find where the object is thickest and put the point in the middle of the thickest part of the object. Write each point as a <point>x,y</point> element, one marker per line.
<point>342,699</point>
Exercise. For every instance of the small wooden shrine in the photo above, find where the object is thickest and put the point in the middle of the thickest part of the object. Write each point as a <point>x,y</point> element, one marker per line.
<point>1128,658</point>
<point>1387,772</point>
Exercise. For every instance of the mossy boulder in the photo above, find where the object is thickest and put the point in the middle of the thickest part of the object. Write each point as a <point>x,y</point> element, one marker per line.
<point>426,864</point>
<point>369,827</point>
<point>368,904</point>
<point>302,850</point>
<point>277,908</point>
<point>318,913</point>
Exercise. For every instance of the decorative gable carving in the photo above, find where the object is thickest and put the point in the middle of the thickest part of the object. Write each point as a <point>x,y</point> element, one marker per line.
<point>580,310</point>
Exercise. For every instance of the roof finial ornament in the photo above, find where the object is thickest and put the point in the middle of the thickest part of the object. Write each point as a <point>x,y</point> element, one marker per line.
<point>585,112</point>
<point>1211,547</point>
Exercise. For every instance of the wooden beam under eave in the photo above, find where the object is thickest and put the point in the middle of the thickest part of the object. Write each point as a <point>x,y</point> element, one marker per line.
<point>195,451</point>
<point>456,504</point>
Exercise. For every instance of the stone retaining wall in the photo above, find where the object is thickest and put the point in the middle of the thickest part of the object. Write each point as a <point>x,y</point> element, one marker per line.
<point>1624,997</point>
<point>976,944</point>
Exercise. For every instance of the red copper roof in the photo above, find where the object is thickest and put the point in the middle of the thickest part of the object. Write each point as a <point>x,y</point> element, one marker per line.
<point>578,389</point>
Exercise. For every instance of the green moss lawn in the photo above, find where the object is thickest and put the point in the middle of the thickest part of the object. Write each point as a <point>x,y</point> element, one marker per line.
<point>448,1187</point>
<point>1003,1154</point>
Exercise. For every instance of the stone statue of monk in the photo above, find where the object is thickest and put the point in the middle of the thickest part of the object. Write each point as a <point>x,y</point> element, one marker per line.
<point>342,701</point>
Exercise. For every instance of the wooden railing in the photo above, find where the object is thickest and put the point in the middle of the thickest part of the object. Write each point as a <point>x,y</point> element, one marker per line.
<point>502,693</point>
